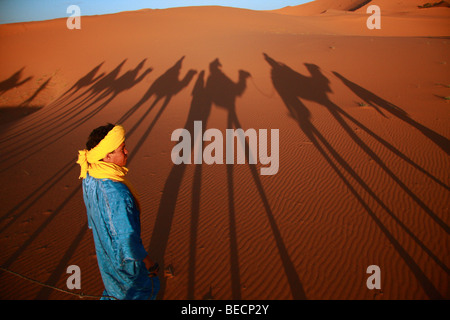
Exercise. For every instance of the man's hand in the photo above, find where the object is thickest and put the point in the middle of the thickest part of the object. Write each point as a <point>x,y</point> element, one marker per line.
<point>153,271</point>
<point>152,267</point>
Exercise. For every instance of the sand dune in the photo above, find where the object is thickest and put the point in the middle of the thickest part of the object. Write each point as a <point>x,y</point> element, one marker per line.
<point>360,6</point>
<point>398,18</point>
<point>322,6</point>
<point>363,150</point>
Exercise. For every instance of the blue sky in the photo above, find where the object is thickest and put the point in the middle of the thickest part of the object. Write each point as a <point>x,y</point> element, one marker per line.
<point>35,10</point>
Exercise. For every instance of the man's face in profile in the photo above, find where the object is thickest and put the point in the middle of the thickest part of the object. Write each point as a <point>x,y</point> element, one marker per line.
<point>118,156</point>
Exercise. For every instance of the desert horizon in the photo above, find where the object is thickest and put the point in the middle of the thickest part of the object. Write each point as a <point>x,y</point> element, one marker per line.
<point>357,124</point>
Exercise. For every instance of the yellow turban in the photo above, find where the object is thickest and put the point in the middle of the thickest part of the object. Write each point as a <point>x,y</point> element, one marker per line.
<point>91,160</point>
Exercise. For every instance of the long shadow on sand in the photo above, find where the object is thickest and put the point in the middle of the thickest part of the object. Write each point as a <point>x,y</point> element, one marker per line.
<point>61,113</point>
<point>12,113</point>
<point>380,104</point>
<point>294,87</point>
<point>68,113</point>
<point>33,125</point>
<point>94,92</point>
<point>13,81</point>
<point>199,111</point>
<point>164,87</point>
<point>221,91</point>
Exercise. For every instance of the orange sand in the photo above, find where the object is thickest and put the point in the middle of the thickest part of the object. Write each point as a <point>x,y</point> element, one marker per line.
<point>363,123</point>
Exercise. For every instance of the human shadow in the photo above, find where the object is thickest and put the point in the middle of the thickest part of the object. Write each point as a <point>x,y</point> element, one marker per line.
<point>294,87</point>
<point>379,103</point>
<point>199,111</point>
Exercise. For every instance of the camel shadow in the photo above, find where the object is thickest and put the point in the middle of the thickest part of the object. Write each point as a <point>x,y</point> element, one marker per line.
<point>221,91</point>
<point>12,113</point>
<point>13,82</point>
<point>171,87</point>
<point>294,88</point>
<point>164,87</point>
<point>64,115</point>
<point>199,111</point>
<point>88,90</point>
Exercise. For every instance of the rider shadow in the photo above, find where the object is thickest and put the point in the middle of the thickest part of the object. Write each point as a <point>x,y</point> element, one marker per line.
<point>199,111</point>
<point>170,88</point>
<point>34,197</point>
<point>13,81</point>
<point>165,87</point>
<point>122,83</point>
<point>87,80</point>
<point>84,82</point>
<point>27,202</point>
<point>108,88</point>
<point>10,114</point>
<point>68,118</point>
<point>36,93</point>
<point>223,92</point>
<point>294,87</point>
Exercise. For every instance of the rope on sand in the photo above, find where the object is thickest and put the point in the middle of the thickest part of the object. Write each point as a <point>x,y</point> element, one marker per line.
<point>260,91</point>
<point>79,295</point>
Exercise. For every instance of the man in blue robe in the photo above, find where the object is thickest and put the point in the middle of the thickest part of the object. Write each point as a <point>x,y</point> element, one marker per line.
<point>114,217</point>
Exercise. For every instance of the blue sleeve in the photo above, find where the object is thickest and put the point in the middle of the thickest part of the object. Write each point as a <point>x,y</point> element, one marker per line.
<point>125,226</point>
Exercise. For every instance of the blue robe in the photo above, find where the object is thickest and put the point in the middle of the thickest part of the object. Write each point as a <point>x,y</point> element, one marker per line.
<point>114,218</point>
